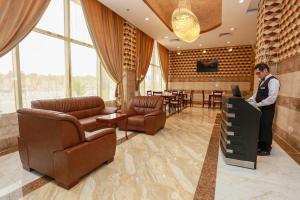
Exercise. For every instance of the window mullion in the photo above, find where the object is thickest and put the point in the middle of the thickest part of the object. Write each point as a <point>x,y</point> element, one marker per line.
<point>17,77</point>
<point>68,70</point>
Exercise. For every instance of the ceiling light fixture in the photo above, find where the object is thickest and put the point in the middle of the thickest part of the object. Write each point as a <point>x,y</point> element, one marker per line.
<point>241,1</point>
<point>204,51</point>
<point>232,28</point>
<point>166,37</point>
<point>230,49</point>
<point>200,45</point>
<point>185,24</point>
<point>178,47</point>
<point>178,53</point>
<point>147,18</point>
<point>228,42</point>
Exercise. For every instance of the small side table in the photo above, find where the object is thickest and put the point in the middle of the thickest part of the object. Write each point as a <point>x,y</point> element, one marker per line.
<point>112,119</point>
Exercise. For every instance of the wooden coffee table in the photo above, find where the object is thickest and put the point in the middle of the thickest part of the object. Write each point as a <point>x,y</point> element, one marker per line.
<point>112,119</point>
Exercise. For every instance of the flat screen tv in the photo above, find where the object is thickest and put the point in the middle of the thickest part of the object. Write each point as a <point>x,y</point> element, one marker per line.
<point>207,66</point>
<point>236,91</point>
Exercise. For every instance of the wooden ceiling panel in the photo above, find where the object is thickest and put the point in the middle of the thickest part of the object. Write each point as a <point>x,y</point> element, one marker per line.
<point>209,12</point>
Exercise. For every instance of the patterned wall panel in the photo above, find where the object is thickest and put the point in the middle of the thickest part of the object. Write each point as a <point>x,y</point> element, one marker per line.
<point>278,31</point>
<point>289,39</point>
<point>129,46</point>
<point>235,65</point>
<point>267,34</point>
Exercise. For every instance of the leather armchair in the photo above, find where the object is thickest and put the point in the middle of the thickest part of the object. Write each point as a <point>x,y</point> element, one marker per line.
<point>55,144</point>
<point>145,114</point>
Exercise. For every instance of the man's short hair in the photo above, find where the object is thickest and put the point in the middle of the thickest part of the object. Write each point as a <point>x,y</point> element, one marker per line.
<point>262,66</point>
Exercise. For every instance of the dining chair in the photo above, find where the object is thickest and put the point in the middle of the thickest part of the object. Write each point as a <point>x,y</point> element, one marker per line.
<point>204,100</point>
<point>217,98</point>
<point>149,93</point>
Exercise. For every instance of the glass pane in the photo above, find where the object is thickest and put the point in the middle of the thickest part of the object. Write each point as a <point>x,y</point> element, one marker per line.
<point>157,78</point>
<point>79,30</point>
<point>108,86</point>
<point>149,79</point>
<point>42,68</point>
<point>84,70</point>
<point>7,95</point>
<point>53,18</point>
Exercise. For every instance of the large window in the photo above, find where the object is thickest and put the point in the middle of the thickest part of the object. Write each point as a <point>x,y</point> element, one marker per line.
<point>84,70</point>
<point>108,86</point>
<point>42,64</point>
<point>52,62</point>
<point>7,96</point>
<point>153,80</point>
<point>53,18</point>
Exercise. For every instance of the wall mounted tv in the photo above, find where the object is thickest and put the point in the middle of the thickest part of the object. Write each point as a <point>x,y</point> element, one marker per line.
<point>207,66</point>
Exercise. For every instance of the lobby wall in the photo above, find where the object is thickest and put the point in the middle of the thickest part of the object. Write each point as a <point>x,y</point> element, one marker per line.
<point>278,44</point>
<point>235,67</point>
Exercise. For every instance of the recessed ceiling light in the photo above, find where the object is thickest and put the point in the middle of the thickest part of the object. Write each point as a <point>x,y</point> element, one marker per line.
<point>232,28</point>
<point>241,1</point>
<point>166,37</point>
<point>204,51</point>
<point>147,18</point>
<point>200,45</point>
<point>228,42</point>
<point>178,47</point>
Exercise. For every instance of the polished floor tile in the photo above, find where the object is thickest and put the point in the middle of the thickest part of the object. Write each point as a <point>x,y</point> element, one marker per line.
<point>164,166</point>
<point>277,177</point>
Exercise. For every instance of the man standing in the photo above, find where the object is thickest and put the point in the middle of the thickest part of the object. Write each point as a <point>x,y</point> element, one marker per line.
<point>265,99</point>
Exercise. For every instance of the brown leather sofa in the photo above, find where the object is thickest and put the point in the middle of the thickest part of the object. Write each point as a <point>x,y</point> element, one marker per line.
<point>85,109</point>
<point>145,114</point>
<point>56,143</point>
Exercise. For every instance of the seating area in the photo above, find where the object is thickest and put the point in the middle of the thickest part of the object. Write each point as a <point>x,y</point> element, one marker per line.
<point>149,99</point>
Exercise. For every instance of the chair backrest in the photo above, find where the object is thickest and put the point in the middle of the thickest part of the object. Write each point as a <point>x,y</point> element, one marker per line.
<point>149,93</point>
<point>157,93</point>
<point>146,104</point>
<point>217,95</point>
<point>79,107</point>
<point>203,95</point>
<point>192,95</point>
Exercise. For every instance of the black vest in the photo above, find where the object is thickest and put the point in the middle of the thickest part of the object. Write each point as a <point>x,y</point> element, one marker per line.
<point>263,92</point>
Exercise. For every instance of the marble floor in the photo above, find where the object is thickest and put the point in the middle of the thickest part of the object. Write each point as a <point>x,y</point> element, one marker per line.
<point>165,166</point>
<point>276,177</point>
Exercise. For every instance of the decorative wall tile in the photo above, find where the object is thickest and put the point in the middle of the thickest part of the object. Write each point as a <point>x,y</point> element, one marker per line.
<point>235,65</point>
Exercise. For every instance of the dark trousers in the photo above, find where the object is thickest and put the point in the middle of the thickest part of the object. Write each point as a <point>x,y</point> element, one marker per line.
<point>265,129</point>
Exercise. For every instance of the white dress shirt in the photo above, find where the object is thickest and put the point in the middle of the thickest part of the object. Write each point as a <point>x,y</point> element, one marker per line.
<point>274,86</point>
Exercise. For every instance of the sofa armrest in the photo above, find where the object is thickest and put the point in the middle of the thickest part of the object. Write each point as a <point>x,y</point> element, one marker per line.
<point>154,113</point>
<point>36,114</point>
<point>109,110</point>
<point>89,136</point>
<point>128,111</point>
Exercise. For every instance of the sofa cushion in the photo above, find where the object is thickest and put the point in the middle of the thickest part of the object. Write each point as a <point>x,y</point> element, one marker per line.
<point>146,104</point>
<point>89,136</point>
<point>90,123</point>
<point>79,107</point>
<point>137,120</point>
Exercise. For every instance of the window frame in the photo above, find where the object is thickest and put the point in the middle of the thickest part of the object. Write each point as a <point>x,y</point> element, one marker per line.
<point>66,37</point>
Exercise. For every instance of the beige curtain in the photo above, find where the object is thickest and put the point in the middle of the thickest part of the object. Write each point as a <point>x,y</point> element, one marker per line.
<point>106,29</point>
<point>17,19</point>
<point>164,60</point>
<point>144,48</point>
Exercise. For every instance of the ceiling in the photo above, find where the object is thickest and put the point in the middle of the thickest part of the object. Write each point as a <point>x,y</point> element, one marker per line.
<point>208,12</point>
<point>234,14</point>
